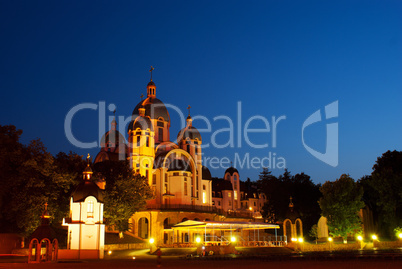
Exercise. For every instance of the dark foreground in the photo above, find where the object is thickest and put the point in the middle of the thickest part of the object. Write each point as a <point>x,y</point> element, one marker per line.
<point>251,258</point>
<point>193,264</point>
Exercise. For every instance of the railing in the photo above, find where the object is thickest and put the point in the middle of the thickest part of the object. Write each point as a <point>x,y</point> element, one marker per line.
<point>200,208</point>
<point>195,208</point>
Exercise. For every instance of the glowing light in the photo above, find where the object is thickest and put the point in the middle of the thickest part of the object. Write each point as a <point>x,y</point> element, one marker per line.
<point>198,240</point>
<point>133,258</point>
<point>109,252</point>
<point>300,240</point>
<point>293,239</point>
<point>374,237</point>
<point>400,235</point>
<point>250,208</point>
<point>330,239</point>
<point>233,239</point>
<point>360,238</point>
<point>151,240</point>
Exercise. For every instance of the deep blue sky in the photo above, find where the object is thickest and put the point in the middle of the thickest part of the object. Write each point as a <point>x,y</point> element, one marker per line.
<point>278,58</point>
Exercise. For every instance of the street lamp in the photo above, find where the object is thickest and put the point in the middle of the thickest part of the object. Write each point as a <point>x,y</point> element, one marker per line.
<point>151,240</point>
<point>400,235</point>
<point>374,237</point>
<point>198,240</point>
<point>330,239</point>
<point>233,239</point>
<point>360,238</point>
<point>300,240</point>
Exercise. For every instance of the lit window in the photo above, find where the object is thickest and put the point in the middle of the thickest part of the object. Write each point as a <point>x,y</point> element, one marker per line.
<point>229,194</point>
<point>235,195</point>
<point>90,212</point>
<point>204,197</point>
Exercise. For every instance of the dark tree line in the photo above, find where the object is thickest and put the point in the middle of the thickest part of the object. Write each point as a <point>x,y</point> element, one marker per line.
<point>30,177</point>
<point>383,192</point>
<point>278,191</point>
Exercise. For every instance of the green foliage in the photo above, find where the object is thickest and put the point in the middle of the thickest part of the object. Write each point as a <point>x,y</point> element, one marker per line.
<point>340,203</point>
<point>126,193</point>
<point>314,232</point>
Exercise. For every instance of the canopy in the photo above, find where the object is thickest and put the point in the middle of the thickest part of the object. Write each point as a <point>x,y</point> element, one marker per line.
<point>223,225</point>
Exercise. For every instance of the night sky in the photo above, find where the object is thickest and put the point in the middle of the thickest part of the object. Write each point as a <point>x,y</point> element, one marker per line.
<point>278,58</point>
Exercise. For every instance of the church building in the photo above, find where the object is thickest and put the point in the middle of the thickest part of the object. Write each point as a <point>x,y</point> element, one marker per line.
<point>183,187</point>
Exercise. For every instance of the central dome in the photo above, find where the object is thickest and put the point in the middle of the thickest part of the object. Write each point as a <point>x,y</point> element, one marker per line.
<point>154,108</point>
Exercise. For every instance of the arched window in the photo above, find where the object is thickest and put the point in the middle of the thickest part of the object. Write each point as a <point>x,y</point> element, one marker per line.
<point>166,223</point>
<point>143,228</point>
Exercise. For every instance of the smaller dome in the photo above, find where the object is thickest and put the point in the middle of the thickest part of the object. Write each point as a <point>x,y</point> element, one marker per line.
<point>206,174</point>
<point>151,83</point>
<point>292,214</point>
<point>189,132</point>
<point>88,170</point>
<point>85,189</point>
<point>140,122</point>
<point>112,136</point>
<point>231,170</point>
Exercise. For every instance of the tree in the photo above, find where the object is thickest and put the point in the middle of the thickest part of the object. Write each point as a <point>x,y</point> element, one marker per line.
<point>340,203</point>
<point>314,232</point>
<point>125,194</point>
<point>386,185</point>
<point>278,191</point>
<point>30,177</point>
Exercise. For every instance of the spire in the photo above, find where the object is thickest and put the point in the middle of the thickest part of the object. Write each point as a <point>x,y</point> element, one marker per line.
<point>291,202</point>
<point>114,123</point>
<point>189,119</point>
<point>45,216</point>
<point>88,171</point>
<point>151,88</point>
<point>150,70</point>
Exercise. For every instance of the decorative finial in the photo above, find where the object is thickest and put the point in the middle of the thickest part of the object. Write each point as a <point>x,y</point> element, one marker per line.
<point>88,158</point>
<point>231,164</point>
<point>189,107</point>
<point>142,95</point>
<point>150,70</point>
<point>291,202</point>
<point>114,113</point>
<point>46,204</point>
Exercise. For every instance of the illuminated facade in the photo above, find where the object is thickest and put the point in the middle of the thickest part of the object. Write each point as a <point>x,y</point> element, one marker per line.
<point>86,230</point>
<point>183,187</point>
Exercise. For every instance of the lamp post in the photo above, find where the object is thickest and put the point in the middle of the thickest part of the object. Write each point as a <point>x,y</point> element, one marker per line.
<point>301,240</point>
<point>330,243</point>
<point>360,238</point>
<point>375,238</point>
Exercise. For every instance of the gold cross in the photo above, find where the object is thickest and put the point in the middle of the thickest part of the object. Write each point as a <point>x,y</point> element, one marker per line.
<point>189,110</point>
<point>46,204</point>
<point>150,70</point>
